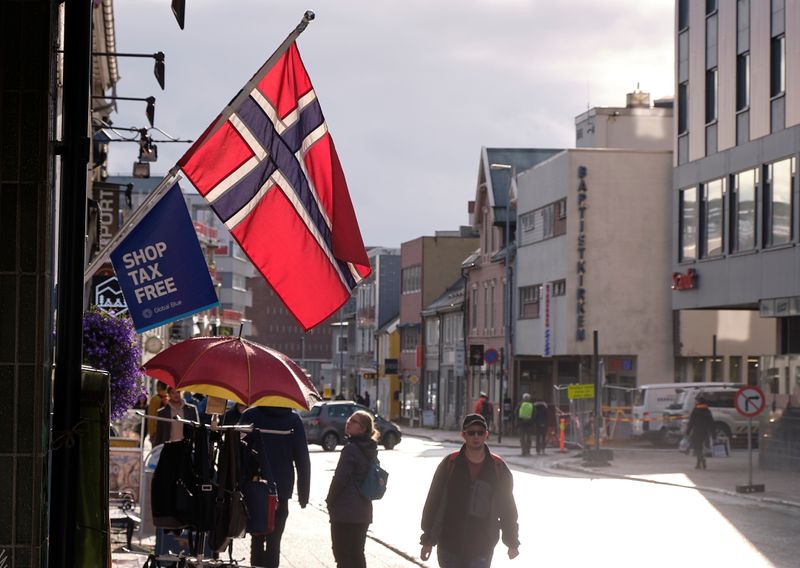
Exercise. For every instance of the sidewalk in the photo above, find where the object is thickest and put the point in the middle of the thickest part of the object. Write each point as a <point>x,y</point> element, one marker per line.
<point>642,462</point>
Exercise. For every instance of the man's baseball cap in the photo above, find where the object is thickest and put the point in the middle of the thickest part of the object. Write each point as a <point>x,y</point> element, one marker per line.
<point>472,419</point>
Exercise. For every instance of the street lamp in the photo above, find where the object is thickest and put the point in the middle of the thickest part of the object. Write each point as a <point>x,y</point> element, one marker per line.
<point>506,287</point>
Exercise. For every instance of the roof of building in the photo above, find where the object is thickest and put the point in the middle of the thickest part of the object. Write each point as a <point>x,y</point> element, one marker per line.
<point>498,182</point>
<point>451,299</point>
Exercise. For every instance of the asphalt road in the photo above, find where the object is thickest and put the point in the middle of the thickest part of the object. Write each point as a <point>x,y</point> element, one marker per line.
<point>573,520</point>
<point>566,519</point>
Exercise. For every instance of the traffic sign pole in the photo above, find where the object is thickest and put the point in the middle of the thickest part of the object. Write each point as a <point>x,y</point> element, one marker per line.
<point>749,402</point>
<point>750,452</point>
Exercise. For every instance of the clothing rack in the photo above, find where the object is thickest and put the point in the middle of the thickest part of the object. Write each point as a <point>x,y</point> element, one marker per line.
<point>214,426</point>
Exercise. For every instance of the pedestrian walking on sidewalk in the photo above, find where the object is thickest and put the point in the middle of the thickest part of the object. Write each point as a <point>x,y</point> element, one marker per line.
<point>469,502</point>
<point>282,454</point>
<point>700,429</point>
<point>350,512</point>
<point>485,408</point>
<point>525,420</point>
<point>541,423</point>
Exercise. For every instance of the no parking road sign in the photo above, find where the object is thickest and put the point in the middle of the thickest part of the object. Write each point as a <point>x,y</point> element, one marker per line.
<point>749,401</point>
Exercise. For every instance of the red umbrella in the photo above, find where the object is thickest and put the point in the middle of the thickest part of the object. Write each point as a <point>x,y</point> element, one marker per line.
<point>235,369</point>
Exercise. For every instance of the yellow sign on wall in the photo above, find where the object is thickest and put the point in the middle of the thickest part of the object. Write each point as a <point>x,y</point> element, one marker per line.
<point>580,391</point>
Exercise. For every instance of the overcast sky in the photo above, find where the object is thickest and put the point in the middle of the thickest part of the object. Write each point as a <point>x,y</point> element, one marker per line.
<point>411,90</point>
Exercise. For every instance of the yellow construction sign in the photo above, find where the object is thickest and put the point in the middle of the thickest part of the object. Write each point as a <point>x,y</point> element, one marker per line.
<point>580,391</point>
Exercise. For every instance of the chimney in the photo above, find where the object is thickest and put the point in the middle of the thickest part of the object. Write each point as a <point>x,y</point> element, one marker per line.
<point>638,99</point>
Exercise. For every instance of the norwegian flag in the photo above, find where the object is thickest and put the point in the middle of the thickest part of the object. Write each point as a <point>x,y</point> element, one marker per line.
<point>269,169</point>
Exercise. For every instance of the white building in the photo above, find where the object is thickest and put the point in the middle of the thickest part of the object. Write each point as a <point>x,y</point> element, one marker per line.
<point>735,193</point>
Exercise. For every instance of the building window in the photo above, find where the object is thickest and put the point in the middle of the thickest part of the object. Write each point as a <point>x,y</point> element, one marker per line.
<point>712,86</point>
<point>559,288</point>
<point>778,179</point>
<point>409,338</point>
<point>713,220</point>
<point>411,279</point>
<point>529,301</point>
<point>742,81</point>
<point>688,219</point>
<point>527,221</point>
<point>683,14</point>
<point>711,6</point>
<point>474,308</point>
<point>547,222</point>
<point>683,56</point>
<point>777,70</point>
<point>683,108</point>
<point>491,305</point>
<point>486,307</point>
<point>562,209</point>
<point>432,331</point>
<point>742,26</point>
<point>744,210</point>
<point>342,345</point>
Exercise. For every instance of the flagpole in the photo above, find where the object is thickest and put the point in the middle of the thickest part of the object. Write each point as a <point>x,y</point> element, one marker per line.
<point>254,80</point>
<point>172,175</point>
<point>168,181</point>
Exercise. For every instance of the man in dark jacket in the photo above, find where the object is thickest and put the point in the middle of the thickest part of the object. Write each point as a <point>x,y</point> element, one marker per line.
<point>282,454</point>
<point>541,423</point>
<point>470,500</point>
<point>176,407</point>
<point>700,429</point>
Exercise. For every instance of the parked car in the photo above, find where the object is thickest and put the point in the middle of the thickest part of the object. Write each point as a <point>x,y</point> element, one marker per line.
<point>727,420</point>
<point>324,424</point>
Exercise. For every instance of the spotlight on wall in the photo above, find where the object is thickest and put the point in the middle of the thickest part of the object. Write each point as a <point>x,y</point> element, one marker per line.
<point>148,152</point>
<point>158,68</point>
<point>141,169</point>
<point>149,111</point>
<point>179,9</point>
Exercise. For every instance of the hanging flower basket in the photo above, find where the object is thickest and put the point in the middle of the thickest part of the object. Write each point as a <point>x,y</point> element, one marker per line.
<point>110,343</point>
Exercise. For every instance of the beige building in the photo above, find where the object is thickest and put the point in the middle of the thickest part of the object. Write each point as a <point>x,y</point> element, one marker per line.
<point>594,244</point>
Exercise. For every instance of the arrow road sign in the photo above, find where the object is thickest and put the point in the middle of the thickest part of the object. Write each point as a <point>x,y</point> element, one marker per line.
<point>749,401</point>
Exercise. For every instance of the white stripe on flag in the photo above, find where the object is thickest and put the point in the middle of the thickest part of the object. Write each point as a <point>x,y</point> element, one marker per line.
<point>237,175</point>
<point>248,207</point>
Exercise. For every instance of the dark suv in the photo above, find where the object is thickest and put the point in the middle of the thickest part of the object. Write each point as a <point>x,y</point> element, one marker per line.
<point>324,424</point>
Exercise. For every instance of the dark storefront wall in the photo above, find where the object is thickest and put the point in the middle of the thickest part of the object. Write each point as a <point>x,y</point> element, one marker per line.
<point>26,278</point>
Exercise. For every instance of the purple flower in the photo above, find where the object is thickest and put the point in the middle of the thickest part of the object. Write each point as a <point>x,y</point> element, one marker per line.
<point>111,344</point>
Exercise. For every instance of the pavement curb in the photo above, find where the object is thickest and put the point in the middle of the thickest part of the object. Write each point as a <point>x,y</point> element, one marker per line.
<point>560,465</point>
<point>589,471</point>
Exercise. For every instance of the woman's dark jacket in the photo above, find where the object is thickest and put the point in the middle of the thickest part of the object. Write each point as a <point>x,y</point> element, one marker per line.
<point>465,517</point>
<point>345,503</point>
<point>701,425</point>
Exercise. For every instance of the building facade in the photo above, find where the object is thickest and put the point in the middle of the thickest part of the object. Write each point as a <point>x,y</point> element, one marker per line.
<point>428,265</point>
<point>581,268</point>
<point>734,191</point>
<point>487,289</point>
<point>445,354</point>
<point>387,339</point>
<point>377,303</point>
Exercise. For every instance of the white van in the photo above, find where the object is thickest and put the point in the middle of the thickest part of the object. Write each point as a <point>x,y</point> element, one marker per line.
<point>651,401</point>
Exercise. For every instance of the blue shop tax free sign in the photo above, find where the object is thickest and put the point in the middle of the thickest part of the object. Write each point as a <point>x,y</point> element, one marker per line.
<point>161,268</point>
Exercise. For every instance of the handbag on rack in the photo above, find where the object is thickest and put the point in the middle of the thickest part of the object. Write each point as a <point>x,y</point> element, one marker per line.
<point>261,493</point>
<point>230,512</point>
